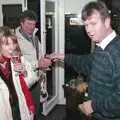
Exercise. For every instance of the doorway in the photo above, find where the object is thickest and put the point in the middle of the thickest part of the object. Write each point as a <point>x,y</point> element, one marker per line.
<point>47,25</point>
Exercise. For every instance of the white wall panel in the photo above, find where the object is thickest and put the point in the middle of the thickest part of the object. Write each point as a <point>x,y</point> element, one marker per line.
<point>75,6</point>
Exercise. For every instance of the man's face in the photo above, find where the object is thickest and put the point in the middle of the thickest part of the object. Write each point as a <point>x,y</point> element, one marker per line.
<point>96,27</point>
<point>28,26</point>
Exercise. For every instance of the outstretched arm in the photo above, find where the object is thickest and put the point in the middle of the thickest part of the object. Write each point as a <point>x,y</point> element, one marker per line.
<point>56,56</point>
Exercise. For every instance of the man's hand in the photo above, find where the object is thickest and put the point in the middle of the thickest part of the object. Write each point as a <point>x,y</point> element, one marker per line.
<point>86,107</point>
<point>56,56</point>
<point>44,63</point>
<point>20,68</point>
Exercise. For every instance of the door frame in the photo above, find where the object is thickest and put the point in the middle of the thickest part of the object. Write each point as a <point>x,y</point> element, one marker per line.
<point>49,104</point>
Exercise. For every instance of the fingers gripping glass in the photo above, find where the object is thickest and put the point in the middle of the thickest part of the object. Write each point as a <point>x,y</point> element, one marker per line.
<point>16,60</point>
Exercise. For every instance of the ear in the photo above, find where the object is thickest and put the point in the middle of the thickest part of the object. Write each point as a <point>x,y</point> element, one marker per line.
<point>21,23</point>
<point>107,22</point>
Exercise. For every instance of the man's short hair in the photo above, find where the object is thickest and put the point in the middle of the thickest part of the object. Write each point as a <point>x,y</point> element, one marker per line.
<point>93,6</point>
<point>29,15</point>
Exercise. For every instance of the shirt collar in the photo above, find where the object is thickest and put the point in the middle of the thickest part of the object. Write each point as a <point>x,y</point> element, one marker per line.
<point>107,40</point>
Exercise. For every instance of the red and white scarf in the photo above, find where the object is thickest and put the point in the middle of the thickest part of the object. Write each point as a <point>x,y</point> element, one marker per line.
<point>27,94</point>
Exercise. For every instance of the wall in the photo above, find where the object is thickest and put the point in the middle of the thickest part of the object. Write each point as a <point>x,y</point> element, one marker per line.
<point>75,6</point>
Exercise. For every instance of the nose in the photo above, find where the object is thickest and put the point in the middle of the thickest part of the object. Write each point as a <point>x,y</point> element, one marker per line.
<point>11,47</point>
<point>89,30</point>
<point>32,25</point>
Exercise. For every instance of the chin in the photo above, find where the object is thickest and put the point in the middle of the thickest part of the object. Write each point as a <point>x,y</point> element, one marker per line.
<point>9,56</point>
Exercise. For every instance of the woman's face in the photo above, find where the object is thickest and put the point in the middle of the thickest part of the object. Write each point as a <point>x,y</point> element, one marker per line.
<point>7,48</point>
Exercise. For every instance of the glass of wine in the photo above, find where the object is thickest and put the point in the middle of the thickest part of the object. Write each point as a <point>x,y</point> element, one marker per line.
<point>16,57</point>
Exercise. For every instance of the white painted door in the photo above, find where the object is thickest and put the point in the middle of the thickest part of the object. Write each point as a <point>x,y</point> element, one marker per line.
<point>48,31</point>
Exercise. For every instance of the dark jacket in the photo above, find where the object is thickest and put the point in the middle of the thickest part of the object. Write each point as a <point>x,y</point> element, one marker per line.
<point>103,68</point>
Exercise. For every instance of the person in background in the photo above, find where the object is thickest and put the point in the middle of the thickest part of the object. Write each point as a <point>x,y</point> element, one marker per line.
<point>31,49</point>
<point>16,77</point>
<point>102,66</point>
<point>28,40</point>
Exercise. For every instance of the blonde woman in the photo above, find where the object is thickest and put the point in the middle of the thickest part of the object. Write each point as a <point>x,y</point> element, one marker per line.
<point>16,77</point>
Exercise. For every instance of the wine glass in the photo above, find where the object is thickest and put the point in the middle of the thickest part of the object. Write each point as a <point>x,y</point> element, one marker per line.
<point>16,57</point>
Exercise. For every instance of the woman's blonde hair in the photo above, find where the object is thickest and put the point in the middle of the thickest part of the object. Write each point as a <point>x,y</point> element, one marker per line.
<point>6,32</point>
